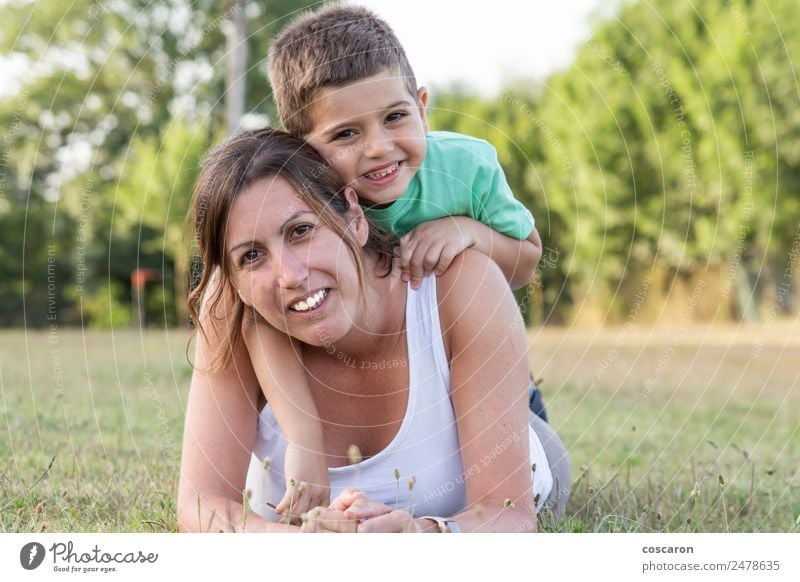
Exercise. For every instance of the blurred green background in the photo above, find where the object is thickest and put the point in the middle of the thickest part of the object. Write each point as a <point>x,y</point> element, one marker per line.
<point>667,153</point>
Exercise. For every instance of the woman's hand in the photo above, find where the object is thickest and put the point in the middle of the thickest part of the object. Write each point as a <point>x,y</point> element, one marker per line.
<point>374,516</point>
<point>334,519</point>
<point>353,512</point>
<point>377,517</point>
<point>327,520</point>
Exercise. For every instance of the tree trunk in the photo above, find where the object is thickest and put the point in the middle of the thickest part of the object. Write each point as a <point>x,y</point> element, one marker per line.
<point>236,65</point>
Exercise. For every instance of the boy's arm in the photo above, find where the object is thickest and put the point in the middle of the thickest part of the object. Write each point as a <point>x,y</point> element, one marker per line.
<point>517,259</point>
<point>280,372</point>
<point>432,246</point>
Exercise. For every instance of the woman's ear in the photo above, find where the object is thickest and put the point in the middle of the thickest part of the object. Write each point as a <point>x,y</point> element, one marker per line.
<point>358,222</point>
<point>242,299</point>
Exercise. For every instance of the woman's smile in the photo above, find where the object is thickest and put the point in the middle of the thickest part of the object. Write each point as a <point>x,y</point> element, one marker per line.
<point>312,303</point>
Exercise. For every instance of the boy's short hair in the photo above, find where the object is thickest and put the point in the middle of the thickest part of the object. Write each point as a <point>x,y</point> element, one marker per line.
<point>330,47</point>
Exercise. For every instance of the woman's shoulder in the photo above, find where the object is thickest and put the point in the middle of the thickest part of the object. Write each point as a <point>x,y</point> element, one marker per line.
<point>473,283</point>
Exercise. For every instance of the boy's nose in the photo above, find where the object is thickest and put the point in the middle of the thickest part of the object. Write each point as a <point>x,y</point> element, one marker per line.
<point>378,146</point>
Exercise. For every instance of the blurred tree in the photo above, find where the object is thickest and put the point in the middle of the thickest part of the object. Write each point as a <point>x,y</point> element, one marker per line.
<point>155,183</point>
<point>666,152</point>
<point>103,78</point>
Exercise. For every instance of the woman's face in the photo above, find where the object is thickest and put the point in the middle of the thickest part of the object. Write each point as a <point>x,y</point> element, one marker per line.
<point>296,272</point>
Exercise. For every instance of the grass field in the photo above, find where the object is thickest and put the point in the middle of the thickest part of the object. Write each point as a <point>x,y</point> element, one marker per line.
<point>692,429</point>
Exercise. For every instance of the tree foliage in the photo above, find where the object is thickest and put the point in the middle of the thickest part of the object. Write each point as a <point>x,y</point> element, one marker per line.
<point>119,101</point>
<point>666,150</point>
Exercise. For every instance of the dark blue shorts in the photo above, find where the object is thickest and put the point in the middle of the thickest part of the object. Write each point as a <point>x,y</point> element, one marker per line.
<point>536,402</point>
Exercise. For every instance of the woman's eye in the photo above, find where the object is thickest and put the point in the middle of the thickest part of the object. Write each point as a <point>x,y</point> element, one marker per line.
<point>248,257</point>
<point>301,230</point>
<point>395,116</point>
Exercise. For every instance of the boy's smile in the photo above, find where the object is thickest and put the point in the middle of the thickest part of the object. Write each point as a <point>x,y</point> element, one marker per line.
<point>372,132</point>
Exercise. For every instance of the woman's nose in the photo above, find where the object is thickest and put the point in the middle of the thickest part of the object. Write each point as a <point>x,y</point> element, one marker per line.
<point>292,269</point>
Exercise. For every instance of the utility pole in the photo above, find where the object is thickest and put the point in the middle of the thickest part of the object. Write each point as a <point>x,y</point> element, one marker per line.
<point>236,63</point>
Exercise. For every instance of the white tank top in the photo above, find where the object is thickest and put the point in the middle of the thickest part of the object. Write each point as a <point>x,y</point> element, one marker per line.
<point>426,446</point>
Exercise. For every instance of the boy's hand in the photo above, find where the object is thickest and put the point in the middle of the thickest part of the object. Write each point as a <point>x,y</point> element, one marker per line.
<point>307,483</point>
<point>432,246</point>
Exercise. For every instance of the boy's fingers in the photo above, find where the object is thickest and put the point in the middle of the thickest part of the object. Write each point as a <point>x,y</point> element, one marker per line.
<point>283,505</point>
<point>447,256</point>
<point>416,270</point>
<point>432,258</point>
<point>291,498</point>
<point>407,247</point>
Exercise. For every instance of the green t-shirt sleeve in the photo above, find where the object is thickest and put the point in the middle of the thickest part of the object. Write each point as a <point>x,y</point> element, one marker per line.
<point>493,201</point>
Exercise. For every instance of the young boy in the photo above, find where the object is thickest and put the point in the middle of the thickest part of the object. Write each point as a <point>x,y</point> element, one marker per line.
<point>341,80</point>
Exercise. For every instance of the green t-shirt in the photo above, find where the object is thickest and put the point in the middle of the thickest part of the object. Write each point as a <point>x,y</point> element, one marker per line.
<point>460,176</point>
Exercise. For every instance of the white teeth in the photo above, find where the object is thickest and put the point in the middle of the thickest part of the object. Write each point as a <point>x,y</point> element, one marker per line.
<point>378,175</point>
<point>310,302</point>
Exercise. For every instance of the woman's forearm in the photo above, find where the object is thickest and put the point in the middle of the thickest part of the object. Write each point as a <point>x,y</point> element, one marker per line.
<point>219,514</point>
<point>490,519</point>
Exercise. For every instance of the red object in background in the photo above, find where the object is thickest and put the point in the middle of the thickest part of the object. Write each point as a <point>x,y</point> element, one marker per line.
<point>141,276</point>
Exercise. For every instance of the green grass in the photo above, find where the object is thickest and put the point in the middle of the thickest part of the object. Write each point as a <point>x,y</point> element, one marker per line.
<point>643,461</point>
<point>713,446</point>
<point>112,424</point>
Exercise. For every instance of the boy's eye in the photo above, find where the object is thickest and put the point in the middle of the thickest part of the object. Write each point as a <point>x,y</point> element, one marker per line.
<point>344,134</point>
<point>395,116</point>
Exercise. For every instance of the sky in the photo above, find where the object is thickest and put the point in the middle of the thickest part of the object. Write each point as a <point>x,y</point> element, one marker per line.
<point>480,43</point>
<point>484,42</point>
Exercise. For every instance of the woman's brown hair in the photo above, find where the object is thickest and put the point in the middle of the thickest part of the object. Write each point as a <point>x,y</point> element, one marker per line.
<point>229,170</point>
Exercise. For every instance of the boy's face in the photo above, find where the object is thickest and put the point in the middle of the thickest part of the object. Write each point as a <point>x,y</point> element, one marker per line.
<point>372,132</point>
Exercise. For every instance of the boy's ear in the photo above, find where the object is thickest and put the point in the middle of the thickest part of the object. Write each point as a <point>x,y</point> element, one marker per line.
<point>422,101</point>
<point>358,222</point>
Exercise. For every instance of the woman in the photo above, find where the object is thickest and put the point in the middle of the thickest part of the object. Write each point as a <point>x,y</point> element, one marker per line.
<point>421,394</point>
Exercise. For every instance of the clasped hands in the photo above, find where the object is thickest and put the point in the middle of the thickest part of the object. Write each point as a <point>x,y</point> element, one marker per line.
<point>353,512</point>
